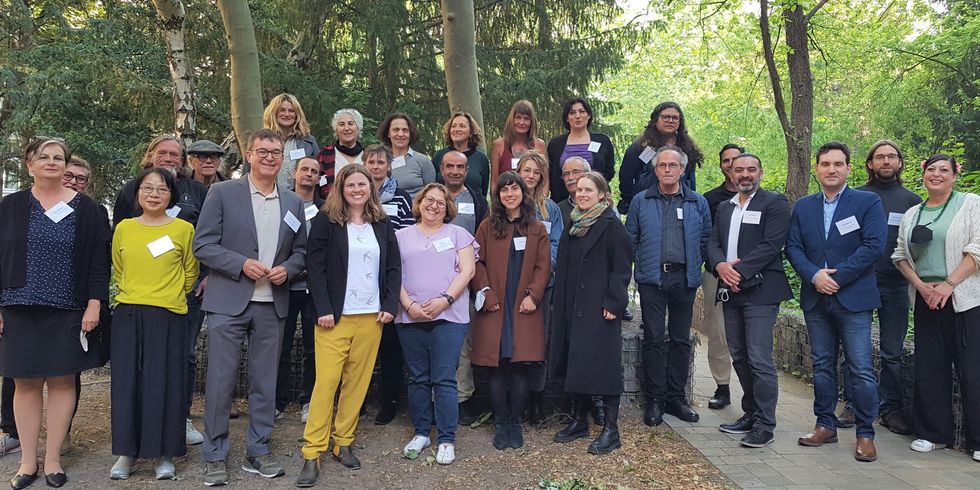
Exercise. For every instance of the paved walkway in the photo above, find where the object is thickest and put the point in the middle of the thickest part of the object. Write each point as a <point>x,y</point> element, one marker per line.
<point>785,464</point>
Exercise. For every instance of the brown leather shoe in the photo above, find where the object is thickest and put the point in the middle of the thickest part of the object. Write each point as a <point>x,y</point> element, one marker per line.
<point>818,437</point>
<point>865,450</point>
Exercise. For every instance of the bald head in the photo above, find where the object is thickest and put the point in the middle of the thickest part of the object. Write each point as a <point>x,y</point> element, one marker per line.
<point>453,170</point>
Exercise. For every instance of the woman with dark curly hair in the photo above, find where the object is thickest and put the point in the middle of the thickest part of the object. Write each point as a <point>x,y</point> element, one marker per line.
<point>411,169</point>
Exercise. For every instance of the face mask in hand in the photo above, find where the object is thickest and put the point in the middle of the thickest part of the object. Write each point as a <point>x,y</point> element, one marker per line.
<point>921,234</point>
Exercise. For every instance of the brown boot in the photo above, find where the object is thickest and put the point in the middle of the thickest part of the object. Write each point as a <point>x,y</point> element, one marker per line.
<point>865,450</point>
<point>818,437</point>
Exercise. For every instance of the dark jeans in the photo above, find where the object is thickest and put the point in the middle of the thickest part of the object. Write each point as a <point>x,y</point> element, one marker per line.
<point>7,423</point>
<point>432,356</point>
<point>513,379</point>
<point>830,326</point>
<point>390,361</point>
<point>893,326</point>
<point>944,338</point>
<point>195,318</point>
<point>300,306</point>
<point>748,329</point>
<point>539,372</point>
<point>667,313</point>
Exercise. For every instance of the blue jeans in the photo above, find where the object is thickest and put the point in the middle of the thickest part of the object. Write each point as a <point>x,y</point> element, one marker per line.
<point>830,325</point>
<point>431,352</point>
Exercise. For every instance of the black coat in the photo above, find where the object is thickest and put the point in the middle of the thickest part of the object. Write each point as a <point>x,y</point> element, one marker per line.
<point>603,161</point>
<point>586,349</point>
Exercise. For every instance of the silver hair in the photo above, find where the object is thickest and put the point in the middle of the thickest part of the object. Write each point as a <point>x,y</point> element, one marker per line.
<point>673,148</point>
<point>358,119</point>
<point>588,168</point>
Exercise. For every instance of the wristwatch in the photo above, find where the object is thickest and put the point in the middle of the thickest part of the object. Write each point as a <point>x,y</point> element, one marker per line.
<point>448,297</point>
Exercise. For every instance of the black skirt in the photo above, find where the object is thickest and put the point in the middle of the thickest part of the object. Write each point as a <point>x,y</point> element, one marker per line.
<point>149,365</point>
<point>43,341</point>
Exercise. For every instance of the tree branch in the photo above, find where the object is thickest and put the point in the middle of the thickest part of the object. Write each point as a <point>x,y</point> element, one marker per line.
<point>814,10</point>
<point>769,55</point>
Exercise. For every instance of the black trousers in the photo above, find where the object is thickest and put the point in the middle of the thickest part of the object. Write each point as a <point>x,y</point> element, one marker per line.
<point>7,423</point>
<point>390,360</point>
<point>300,307</point>
<point>667,313</point>
<point>944,341</point>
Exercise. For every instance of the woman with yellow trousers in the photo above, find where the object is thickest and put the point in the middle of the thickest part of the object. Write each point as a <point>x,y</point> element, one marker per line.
<point>354,280</point>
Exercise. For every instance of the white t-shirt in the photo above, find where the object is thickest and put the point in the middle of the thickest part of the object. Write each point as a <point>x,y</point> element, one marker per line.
<point>363,267</point>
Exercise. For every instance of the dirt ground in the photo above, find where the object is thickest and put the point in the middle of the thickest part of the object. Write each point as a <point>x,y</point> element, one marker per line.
<point>649,458</point>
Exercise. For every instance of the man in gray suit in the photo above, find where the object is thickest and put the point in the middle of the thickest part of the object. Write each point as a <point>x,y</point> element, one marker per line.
<point>249,236</point>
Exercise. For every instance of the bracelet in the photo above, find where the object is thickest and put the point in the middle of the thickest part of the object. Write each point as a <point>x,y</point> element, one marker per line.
<point>410,305</point>
<point>951,284</point>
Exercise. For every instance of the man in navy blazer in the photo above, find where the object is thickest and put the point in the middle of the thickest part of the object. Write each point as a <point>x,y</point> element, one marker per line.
<point>835,238</point>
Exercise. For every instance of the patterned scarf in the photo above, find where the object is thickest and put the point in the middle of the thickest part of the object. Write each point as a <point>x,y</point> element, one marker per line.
<point>387,190</point>
<point>583,220</point>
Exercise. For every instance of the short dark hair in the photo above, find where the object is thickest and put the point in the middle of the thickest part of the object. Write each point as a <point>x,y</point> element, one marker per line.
<point>263,134</point>
<point>749,155</point>
<point>413,130</point>
<point>834,145</point>
<point>939,157</point>
<point>730,146</point>
<point>568,108</point>
<point>168,178</point>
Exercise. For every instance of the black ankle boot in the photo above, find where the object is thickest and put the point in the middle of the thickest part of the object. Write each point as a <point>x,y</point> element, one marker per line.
<point>608,439</point>
<point>516,434</point>
<point>501,432</point>
<point>579,426</point>
<point>535,409</point>
<point>598,413</point>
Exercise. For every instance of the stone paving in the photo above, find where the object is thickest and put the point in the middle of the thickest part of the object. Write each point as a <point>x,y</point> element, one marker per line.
<point>786,464</point>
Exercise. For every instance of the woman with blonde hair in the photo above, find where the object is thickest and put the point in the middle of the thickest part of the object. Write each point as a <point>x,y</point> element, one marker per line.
<point>462,133</point>
<point>285,117</point>
<point>520,135</point>
<point>354,279</point>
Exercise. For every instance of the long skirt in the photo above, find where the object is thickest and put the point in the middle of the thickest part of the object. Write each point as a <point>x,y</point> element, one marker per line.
<point>149,364</point>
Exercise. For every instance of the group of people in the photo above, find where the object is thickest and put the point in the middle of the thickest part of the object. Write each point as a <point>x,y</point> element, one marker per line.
<point>385,257</point>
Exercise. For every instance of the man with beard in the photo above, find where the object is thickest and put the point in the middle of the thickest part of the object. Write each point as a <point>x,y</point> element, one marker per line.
<point>885,163</point>
<point>745,252</point>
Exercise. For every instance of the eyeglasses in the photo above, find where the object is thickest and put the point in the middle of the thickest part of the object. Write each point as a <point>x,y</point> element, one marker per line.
<point>147,190</point>
<point>568,173</point>
<point>882,157</point>
<point>214,157</point>
<point>670,117</point>
<point>434,202</point>
<point>671,165</point>
<point>263,153</point>
<point>81,179</point>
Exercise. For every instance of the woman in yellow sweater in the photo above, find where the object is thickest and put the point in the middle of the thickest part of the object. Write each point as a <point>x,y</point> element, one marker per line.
<point>154,267</point>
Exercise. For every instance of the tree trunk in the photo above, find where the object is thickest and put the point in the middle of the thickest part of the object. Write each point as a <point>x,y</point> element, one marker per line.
<point>309,35</point>
<point>462,79</point>
<point>171,15</point>
<point>246,78</point>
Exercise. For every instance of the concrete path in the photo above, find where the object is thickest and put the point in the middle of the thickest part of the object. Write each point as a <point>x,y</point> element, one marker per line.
<point>785,464</point>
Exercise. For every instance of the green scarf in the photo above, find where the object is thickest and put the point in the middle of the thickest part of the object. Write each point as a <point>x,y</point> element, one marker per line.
<point>583,220</point>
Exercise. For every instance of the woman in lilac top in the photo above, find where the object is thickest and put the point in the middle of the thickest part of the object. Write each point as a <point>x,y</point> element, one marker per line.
<point>438,261</point>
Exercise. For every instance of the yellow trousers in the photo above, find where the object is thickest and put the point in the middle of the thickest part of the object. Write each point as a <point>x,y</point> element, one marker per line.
<point>347,353</point>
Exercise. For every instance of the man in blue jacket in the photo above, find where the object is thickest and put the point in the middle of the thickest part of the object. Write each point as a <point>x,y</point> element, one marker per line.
<point>835,238</point>
<point>669,225</point>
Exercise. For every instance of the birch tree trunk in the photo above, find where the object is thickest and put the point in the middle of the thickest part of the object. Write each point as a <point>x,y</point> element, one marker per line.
<point>171,15</point>
<point>246,78</point>
<point>462,79</point>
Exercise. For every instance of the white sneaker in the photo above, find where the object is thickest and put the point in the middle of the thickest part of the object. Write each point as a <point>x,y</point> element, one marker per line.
<point>924,446</point>
<point>446,454</point>
<point>122,468</point>
<point>415,446</point>
<point>165,469</point>
<point>305,413</point>
<point>976,455</point>
<point>8,444</point>
<point>192,436</point>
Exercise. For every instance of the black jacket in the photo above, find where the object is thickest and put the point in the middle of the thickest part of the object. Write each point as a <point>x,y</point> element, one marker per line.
<point>759,248</point>
<point>191,194</point>
<point>603,161</point>
<point>91,255</point>
<point>326,263</point>
<point>480,208</point>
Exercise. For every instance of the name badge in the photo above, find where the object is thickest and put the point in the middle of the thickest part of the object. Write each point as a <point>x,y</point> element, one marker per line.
<point>647,154</point>
<point>847,225</point>
<point>160,246</point>
<point>514,162</point>
<point>752,217</point>
<point>173,212</point>
<point>895,219</point>
<point>310,211</point>
<point>594,146</point>
<point>390,209</point>
<point>680,213</point>
<point>323,180</point>
<point>291,220</point>
<point>297,154</point>
<point>59,211</point>
<point>398,162</point>
<point>547,226</point>
<point>466,208</point>
<point>520,242</point>
<point>443,244</point>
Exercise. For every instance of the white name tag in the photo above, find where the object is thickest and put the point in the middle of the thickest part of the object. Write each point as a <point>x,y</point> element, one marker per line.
<point>895,219</point>
<point>398,162</point>
<point>594,146</point>
<point>514,162</point>
<point>297,154</point>
<point>547,226</point>
<point>520,242</point>
<point>291,220</point>
<point>847,225</point>
<point>680,213</point>
<point>173,212</point>
<point>647,154</point>
<point>390,209</point>
<point>752,217</point>
<point>323,180</point>
<point>310,211</point>
<point>443,244</point>
<point>466,208</point>
<point>161,245</point>
<point>59,211</point>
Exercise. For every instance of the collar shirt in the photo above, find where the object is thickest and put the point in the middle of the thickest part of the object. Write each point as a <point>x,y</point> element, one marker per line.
<point>735,226</point>
<point>265,208</point>
<point>829,206</point>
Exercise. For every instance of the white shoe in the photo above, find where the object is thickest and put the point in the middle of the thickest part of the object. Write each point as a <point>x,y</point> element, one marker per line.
<point>165,469</point>
<point>8,444</point>
<point>446,454</point>
<point>415,446</point>
<point>976,455</point>
<point>192,436</point>
<point>924,446</point>
<point>305,413</point>
<point>122,468</point>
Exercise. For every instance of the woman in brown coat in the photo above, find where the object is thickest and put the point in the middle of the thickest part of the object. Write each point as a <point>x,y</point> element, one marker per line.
<point>511,275</point>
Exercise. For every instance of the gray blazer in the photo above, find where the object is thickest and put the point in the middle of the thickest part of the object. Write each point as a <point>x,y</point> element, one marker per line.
<point>225,237</point>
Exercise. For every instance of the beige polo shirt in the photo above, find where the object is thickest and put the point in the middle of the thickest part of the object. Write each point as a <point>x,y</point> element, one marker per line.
<point>265,208</point>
